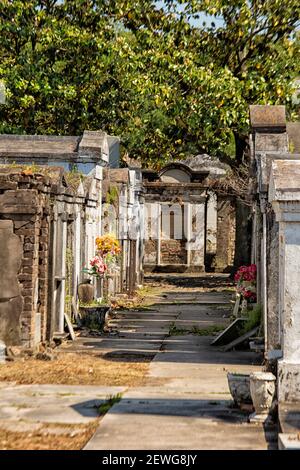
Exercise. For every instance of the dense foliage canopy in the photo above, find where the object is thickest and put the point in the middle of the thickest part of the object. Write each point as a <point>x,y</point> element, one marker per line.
<point>166,83</point>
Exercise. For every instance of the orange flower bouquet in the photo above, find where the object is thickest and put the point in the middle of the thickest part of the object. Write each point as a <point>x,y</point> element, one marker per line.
<point>106,259</point>
<point>108,247</point>
<point>108,244</point>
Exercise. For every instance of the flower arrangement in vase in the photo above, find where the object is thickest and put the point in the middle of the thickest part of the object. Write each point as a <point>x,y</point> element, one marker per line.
<point>102,266</point>
<point>106,259</point>
<point>245,279</point>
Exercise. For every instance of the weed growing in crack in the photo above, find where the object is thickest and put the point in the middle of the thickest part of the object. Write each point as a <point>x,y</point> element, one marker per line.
<point>210,330</point>
<point>111,401</point>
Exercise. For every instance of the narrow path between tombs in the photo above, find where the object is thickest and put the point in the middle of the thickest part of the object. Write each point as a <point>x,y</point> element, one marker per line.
<point>185,402</point>
<point>157,358</point>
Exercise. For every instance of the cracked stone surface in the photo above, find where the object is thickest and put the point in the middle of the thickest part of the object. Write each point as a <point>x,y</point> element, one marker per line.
<point>70,404</point>
<point>185,403</point>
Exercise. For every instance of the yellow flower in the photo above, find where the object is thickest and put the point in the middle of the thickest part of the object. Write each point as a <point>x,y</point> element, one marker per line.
<point>108,243</point>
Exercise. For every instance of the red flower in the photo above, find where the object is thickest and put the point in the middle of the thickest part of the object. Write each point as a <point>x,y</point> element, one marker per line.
<point>246,274</point>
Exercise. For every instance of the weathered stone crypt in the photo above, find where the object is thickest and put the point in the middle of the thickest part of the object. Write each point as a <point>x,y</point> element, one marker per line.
<point>189,225</point>
<point>276,251</point>
<point>52,207</point>
<point>54,194</point>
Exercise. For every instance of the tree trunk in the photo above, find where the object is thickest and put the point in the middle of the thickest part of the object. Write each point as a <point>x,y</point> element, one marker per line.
<point>242,235</point>
<point>241,148</point>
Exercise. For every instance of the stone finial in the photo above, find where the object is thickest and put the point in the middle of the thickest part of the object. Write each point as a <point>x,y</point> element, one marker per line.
<point>94,143</point>
<point>285,176</point>
<point>284,192</point>
<point>266,118</point>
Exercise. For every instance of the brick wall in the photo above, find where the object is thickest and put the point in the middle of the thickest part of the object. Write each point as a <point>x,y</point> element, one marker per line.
<point>173,252</point>
<point>25,202</point>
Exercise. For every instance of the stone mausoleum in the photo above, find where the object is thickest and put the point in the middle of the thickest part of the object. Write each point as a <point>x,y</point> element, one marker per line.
<point>276,250</point>
<point>189,224</point>
<point>53,195</point>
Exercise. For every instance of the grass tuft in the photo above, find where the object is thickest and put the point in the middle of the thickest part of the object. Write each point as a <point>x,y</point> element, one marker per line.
<point>109,403</point>
<point>210,330</point>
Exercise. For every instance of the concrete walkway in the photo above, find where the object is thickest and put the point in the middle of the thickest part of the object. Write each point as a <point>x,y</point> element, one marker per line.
<point>24,407</point>
<point>185,403</point>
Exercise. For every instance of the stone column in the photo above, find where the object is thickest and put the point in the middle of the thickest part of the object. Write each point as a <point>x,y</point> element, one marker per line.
<point>284,194</point>
<point>11,304</point>
<point>289,276</point>
<point>211,230</point>
<point>99,178</point>
<point>263,269</point>
<point>61,305</point>
<point>268,137</point>
<point>157,223</point>
<point>52,320</point>
<point>196,241</point>
<point>225,234</point>
<point>141,236</point>
<point>77,250</point>
<point>59,246</point>
<point>272,340</point>
<point>188,230</point>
